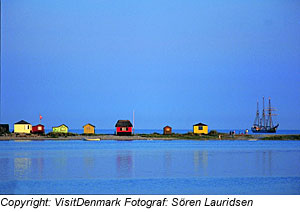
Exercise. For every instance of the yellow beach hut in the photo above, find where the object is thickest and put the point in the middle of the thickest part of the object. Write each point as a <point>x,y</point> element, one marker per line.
<point>200,128</point>
<point>60,129</point>
<point>22,127</point>
<point>89,129</point>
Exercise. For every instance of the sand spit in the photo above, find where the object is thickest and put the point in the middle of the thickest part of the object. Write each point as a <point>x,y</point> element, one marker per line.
<point>153,137</point>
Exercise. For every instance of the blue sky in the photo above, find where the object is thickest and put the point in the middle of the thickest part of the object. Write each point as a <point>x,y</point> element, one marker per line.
<point>174,62</point>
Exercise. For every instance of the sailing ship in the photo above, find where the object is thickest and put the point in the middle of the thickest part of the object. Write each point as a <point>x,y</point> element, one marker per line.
<point>264,124</point>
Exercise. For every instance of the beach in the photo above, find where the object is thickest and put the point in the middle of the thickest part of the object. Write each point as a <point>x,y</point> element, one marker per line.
<point>155,136</point>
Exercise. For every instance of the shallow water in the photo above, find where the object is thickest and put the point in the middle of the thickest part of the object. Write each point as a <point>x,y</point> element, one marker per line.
<point>181,131</point>
<point>150,167</point>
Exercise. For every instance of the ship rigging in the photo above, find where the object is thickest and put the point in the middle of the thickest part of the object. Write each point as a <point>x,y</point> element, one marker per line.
<point>264,124</point>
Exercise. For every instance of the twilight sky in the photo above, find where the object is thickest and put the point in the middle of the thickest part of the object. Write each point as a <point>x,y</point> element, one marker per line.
<point>175,62</point>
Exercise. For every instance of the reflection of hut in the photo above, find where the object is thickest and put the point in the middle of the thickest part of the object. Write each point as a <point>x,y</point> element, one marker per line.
<point>60,129</point>
<point>4,128</point>
<point>200,128</point>
<point>123,127</point>
<point>38,129</point>
<point>167,130</point>
<point>124,163</point>
<point>89,129</point>
<point>22,127</point>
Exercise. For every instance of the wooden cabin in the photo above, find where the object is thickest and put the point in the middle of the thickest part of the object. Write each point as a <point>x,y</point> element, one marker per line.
<point>89,129</point>
<point>38,129</point>
<point>4,128</point>
<point>200,128</point>
<point>22,127</point>
<point>123,127</point>
<point>60,129</point>
<point>167,130</point>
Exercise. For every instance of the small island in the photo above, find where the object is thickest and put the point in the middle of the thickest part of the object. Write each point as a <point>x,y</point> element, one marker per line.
<point>212,135</point>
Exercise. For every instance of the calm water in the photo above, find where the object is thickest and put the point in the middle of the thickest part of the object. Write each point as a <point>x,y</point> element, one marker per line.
<point>149,131</point>
<point>150,167</point>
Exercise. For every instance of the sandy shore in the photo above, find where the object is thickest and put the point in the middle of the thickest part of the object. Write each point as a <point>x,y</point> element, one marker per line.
<point>147,137</point>
<point>81,137</point>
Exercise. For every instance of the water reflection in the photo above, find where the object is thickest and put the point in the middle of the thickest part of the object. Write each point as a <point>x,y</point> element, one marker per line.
<point>124,163</point>
<point>88,165</point>
<point>200,162</point>
<point>167,161</point>
<point>22,166</point>
<point>38,167</point>
<point>58,165</point>
<point>270,162</point>
<point>5,168</point>
<point>146,163</point>
<point>266,163</point>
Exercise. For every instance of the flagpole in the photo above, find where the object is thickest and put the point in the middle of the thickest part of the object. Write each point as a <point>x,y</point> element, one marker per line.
<point>133,122</point>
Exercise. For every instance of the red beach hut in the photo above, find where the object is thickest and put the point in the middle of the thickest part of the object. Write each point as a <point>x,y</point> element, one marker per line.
<point>123,127</point>
<point>167,130</point>
<point>38,129</point>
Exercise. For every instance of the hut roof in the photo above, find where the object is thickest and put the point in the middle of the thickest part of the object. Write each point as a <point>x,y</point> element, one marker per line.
<point>61,125</point>
<point>38,125</point>
<point>123,123</point>
<point>22,122</point>
<point>167,127</point>
<point>200,124</point>
<point>88,124</point>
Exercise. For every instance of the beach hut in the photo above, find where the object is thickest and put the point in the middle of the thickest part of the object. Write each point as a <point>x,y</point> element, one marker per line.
<point>22,127</point>
<point>38,129</point>
<point>60,129</point>
<point>123,127</point>
<point>4,128</point>
<point>89,129</point>
<point>200,128</point>
<point>167,130</point>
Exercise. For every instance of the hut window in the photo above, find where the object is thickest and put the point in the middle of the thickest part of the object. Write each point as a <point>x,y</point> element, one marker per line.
<point>200,128</point>
<point>123,129</point>
<point>39,128</point>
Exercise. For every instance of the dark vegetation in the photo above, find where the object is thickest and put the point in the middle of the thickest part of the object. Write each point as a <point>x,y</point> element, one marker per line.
<point>281,137</point>
<point>5,133</point>
<point>213,135</point>
<point>89,134</point>
<point>57,134</point>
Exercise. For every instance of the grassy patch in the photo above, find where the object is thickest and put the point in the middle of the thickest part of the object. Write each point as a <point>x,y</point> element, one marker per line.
<point>282,137</point>
<point>57,134</point>
<point>186,136</point>
<point>212,135</point>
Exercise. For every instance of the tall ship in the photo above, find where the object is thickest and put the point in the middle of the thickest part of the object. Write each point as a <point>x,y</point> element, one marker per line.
<point>264,124</point>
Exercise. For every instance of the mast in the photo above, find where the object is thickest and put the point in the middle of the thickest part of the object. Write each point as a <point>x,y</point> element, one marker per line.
<point>265,122</point>
<point>263,113</point>
<point>256,121</point>
<point>270,114</point>
<point>133,122</point>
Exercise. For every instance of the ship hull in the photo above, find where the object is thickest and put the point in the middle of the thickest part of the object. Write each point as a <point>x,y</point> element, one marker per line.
<point>264,130</point>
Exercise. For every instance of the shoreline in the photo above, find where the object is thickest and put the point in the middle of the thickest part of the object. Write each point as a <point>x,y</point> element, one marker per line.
<point>223,137</point>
